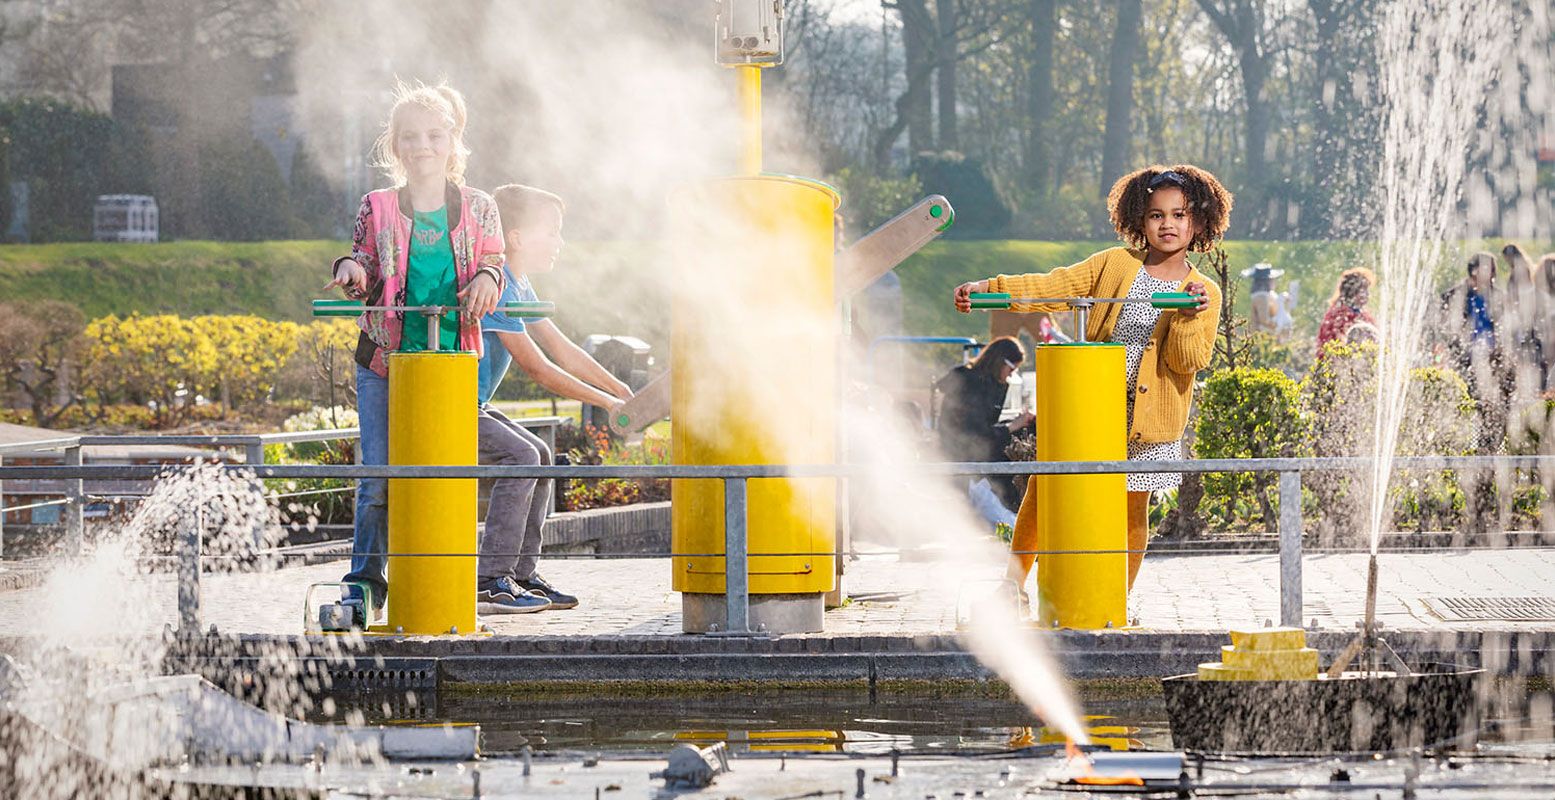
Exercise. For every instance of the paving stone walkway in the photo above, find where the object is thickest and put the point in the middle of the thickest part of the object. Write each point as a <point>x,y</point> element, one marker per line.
<point>1174,593</point>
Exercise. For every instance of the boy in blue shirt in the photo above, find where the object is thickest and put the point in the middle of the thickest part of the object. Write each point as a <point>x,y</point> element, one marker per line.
<point>507,582</point>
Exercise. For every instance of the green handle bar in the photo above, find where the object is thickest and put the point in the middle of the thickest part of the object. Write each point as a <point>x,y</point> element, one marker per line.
<point>1003,300</point>
<point>352,308</point>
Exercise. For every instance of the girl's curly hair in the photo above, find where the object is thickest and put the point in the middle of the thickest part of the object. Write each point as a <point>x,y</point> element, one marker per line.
<point>1208,202</point>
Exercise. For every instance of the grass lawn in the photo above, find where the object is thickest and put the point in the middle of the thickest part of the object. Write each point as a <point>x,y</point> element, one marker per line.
<point>599,287</point>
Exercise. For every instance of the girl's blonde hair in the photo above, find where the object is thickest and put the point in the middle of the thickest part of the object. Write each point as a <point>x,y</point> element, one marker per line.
<point>441,99</point>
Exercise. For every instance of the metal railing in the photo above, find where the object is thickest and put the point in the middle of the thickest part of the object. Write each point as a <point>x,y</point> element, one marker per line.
<point>735,478</point>
<point>75,495</point>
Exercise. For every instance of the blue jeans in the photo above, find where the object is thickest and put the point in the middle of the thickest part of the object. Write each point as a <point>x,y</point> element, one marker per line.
<point>370,536</point>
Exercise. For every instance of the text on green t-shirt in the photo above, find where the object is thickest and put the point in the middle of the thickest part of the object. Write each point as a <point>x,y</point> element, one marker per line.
<point>430,280</point>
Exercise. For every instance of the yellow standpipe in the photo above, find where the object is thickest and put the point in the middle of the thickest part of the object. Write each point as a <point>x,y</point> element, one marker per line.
<point>1082,415</point>
<point>750,119</point>
<point>432,594</point>
<point>755,348</point>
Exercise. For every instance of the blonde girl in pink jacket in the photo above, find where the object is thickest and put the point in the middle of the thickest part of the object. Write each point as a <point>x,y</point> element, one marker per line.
<point>427,240</point>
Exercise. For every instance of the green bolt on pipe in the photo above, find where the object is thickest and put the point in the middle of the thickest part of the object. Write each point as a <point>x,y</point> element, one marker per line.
<point>949,214</point>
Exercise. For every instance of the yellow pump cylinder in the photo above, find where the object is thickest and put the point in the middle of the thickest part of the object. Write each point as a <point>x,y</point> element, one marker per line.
<point>754,346</point>
<point>750,119</point>
<point>431,422</point>
<point>1082,415</point>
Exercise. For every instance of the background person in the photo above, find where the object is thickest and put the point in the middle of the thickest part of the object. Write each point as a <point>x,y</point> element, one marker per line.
<point>1347,306</point>
<point>968,424</point>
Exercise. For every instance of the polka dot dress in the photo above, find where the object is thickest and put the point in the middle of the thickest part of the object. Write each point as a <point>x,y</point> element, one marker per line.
<point>1135,327</point>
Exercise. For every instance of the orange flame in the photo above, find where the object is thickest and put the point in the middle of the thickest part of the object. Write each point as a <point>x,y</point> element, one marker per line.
<point>1089,776</point>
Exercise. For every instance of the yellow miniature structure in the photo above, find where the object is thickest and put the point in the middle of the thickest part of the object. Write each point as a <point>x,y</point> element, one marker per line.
<point>1081,512</point>
<point>1267,654</point>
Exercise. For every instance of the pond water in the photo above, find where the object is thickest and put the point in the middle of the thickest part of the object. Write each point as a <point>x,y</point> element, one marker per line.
<point>1125,716</point>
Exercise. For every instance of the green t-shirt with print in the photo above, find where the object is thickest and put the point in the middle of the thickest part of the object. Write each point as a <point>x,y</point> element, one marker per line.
<point>431,280</point>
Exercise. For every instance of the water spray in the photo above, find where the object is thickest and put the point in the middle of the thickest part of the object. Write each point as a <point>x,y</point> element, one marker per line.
<point>857,266</point>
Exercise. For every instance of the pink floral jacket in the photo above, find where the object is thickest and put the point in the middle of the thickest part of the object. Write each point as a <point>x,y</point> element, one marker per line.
<point>381,244</point>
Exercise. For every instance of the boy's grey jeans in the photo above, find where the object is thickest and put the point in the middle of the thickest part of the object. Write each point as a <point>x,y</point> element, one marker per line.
<point>510,544</point>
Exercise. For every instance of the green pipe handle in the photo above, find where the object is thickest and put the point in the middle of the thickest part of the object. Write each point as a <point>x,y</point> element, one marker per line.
<point>352,308</point>
<point>528,308</point>
<point>1002,300</point>
<point>337,308</point>
<point>990,300</point>
<point>1173,300</point>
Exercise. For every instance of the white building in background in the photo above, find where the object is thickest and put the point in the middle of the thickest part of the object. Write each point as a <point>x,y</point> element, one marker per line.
<point>125,218</point>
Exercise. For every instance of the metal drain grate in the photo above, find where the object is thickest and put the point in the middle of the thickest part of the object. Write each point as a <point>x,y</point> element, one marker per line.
<point>1493,609</point>
<point>384,675</point>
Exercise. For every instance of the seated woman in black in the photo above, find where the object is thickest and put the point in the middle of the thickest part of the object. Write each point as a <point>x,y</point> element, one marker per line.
<point>969,427</point>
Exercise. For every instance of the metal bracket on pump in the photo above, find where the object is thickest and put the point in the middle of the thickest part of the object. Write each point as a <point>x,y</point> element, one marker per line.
<point>1081,306</point>
<point>352,308</point>
<point>748,33</point>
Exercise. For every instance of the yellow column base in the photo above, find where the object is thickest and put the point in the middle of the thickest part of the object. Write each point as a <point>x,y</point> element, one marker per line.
<point>432,415</point>
<point>1081,416</point>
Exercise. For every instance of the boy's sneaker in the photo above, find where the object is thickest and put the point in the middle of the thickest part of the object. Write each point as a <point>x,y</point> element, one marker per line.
<point>538,585</point>
<point>504,596</point>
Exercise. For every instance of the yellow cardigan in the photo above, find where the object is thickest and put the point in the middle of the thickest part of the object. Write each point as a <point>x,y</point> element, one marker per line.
<point>1179,348</point>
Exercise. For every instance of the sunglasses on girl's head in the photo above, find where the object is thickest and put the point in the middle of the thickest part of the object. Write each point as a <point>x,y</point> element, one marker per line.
<point>1168,178</point>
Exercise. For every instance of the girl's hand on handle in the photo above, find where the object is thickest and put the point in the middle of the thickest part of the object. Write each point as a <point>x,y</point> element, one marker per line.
<point>350,277</point>
<point>963,294</point>
<point>1201,294</point>
<point>480,296</point>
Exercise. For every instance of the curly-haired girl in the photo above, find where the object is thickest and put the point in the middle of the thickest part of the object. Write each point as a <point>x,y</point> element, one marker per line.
<point>1161,214</point>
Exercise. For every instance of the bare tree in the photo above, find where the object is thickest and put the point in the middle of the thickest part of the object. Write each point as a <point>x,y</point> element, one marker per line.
<point>1341,121</point>
<point>925,46</point>
<point>1043,16</point>
<point>1249,27</point>
<point>1120,92</point>
<point>65,57</point>
<point>945,79</point>
<point>914,107</point>
<point>39,344</point>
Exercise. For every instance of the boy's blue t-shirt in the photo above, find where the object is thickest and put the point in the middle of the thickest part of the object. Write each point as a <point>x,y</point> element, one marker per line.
<point>495,358</point>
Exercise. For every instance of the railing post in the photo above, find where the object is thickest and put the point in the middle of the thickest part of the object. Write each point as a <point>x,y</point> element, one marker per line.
<point>736,567</point>
<point>2,513</point>
<point>75,505</point>
<point>1290,549</point>
<point>254,453</point>
<point>189,575</point>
